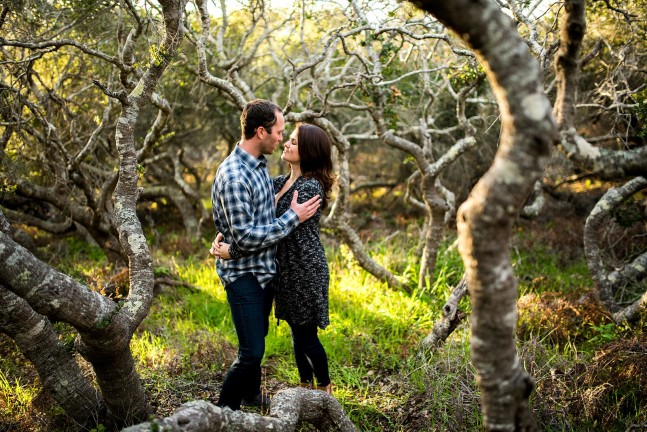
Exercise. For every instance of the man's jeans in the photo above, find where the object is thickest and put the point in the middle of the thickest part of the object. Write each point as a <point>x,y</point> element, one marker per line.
<point>250,310</point>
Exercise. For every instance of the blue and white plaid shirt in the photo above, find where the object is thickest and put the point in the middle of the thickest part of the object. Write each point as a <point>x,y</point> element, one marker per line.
<point>242,199</point>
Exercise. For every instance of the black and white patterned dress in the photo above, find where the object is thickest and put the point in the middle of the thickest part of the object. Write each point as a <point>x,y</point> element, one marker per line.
<point>302,290</point>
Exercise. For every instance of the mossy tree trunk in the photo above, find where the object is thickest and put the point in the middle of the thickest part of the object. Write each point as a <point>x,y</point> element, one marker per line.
<point>59,373</point>
<point>485,219</point>
<point>105,327</point>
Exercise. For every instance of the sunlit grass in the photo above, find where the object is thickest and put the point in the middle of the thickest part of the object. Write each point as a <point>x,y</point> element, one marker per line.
<point>15,397</point>
<point>372,330</point>
<point>186,326</point>
<point>152,351</point>
<point>187,342</point>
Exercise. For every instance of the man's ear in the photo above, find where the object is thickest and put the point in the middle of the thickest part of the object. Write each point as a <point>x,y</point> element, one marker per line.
<point>261,132</point>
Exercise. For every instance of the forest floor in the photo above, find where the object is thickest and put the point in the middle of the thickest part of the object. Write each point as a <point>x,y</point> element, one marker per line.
<point>589,373</point>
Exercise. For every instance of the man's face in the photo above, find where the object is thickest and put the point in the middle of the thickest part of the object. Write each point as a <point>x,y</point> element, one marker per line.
<point>272,139</point>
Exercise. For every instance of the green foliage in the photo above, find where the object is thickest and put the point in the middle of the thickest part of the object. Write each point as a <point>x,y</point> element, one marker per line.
<point>67,335</point>
<point>604,333</point>
<point>466,75</point>
<point>449,271</point>
<point>141,170</point>
<point>629,213</point>
<point>162,270</point>
<point>100,428</point>
<point>387,49</point>
<point>81,252</point>
<point>6,187</point>
<point>158,55</point>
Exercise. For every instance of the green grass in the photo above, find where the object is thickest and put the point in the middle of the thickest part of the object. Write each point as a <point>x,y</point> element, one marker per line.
<point>187,342</point>
<point>16,395</point>
<point>543,270</point>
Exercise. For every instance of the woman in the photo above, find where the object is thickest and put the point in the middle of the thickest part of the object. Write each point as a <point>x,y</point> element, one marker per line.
<point>302,290</point>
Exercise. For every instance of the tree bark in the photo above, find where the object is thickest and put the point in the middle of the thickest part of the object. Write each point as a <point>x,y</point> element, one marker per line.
<point>117,376</point>
<point>436,209</point>
<point>485,219</point>
<point>567,61</point>
<point>105,333</point>
<point>105,327</point>
<point>57,369</point>
<point>452,317</point>
<point>436,205</point>
<point>608,164</point>
<point>607,282</point>
<point>288,410</point>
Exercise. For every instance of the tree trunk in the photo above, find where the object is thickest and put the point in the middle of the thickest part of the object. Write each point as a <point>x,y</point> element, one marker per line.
<point>436,209</point>
<point>59,373</point>
<point>105,331</point>
<point>606,163</point>
<point>105,327</point>
<point>485,219</point>
<point>607,282</point>
<point>180,201</point>
<point>288,410</point>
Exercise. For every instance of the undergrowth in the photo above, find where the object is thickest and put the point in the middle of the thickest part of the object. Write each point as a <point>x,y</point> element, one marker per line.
<point>589,373</point>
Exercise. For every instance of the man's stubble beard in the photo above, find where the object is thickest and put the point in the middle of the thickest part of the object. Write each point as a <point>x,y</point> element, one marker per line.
<point>268,146</point>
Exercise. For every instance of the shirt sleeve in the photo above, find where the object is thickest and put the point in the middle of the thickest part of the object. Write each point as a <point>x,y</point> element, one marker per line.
<point>236,203</point>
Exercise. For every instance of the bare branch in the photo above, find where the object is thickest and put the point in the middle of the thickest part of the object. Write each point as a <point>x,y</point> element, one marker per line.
<point>121,95</point>
<point>203,70</point>
<point>607,282</point>
<point>51,45</point>
<point>452,317</point>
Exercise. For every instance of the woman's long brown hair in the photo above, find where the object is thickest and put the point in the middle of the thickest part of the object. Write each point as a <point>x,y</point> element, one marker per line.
<point>316,159</point>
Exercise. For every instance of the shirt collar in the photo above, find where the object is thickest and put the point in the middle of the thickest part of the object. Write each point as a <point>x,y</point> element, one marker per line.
<point>248,159</point>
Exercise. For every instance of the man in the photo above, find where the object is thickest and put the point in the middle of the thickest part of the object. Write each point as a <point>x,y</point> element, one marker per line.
<point>244,213</point>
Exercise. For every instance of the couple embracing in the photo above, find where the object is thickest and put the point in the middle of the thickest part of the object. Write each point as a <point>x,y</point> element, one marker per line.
<point>268,247</point>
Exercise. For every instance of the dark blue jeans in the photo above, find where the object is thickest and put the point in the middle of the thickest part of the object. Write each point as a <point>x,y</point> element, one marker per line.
<point>250,310</point>
<point>309,354</point>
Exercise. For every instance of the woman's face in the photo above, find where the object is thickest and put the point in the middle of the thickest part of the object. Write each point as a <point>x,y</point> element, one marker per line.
<point>291,149</point>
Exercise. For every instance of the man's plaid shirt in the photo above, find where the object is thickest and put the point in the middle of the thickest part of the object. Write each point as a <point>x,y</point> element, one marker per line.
<point>242,199</point>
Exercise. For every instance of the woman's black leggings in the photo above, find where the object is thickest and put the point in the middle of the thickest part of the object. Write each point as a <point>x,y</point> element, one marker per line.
<point>310,355</point>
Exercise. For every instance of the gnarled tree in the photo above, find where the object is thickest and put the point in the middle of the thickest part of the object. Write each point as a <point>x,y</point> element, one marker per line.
<point>104,327</point>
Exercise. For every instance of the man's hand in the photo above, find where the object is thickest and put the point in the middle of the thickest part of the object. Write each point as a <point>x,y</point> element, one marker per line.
<point>220,249</point>
<point>214,245</point>
<point>307,209</point>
